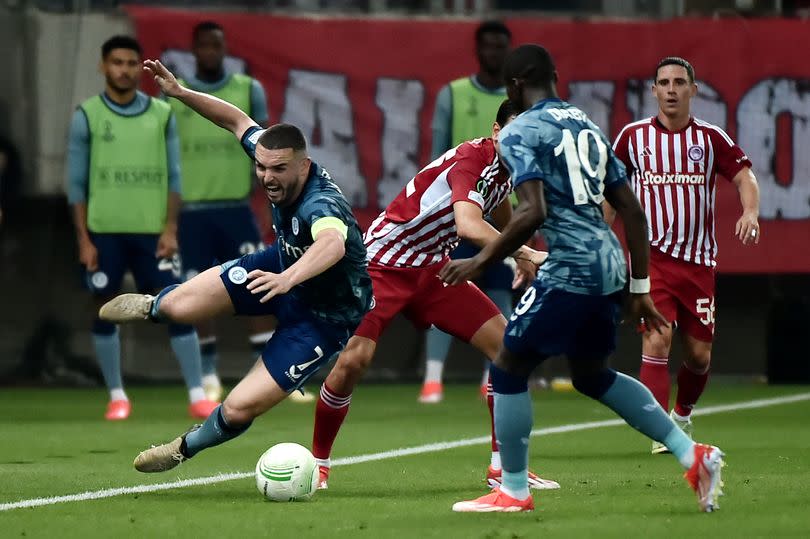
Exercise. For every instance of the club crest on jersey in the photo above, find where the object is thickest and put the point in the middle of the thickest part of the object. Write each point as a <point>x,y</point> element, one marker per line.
<point>237,275</point>
<point>695,153</point>
<point>295,225</point>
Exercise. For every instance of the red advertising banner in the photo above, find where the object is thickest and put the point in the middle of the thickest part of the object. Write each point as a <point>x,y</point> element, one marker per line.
<point>363,92</point>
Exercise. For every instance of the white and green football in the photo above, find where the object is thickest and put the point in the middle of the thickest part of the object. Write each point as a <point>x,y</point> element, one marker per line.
<point>287,472</point>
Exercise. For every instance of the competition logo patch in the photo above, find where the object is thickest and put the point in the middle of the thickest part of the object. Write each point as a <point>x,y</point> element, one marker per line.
<point>295,225</point>
<point>99,279</point>
<point>695,153</point>
<point>482,187</point>
<point>237,275</point>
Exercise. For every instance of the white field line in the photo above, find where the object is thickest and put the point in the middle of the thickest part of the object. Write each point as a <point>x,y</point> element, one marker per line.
<point>384,455</point>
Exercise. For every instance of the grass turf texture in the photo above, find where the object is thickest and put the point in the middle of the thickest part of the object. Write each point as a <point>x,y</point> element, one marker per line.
<point>54,442</point>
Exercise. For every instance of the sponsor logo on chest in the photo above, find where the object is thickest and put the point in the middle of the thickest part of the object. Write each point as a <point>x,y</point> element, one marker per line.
<point>292,251</point>
<point>675,178</point>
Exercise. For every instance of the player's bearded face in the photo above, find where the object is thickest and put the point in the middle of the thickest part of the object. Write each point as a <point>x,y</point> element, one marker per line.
<point>122,69</point>
<point>282,173</point>
<point>674,90</point>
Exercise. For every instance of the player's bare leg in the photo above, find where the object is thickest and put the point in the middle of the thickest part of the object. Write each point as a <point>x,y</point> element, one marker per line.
<point>196,300</point>
<point>253,396</point>
<point>654,373</point>
<point>335,398</point>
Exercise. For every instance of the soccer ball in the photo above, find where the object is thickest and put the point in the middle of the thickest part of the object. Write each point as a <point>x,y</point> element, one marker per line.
<point>287,472</point>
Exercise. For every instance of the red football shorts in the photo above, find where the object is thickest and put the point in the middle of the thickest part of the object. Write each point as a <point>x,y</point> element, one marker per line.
<point>684,293</point>
<point>425,300</point>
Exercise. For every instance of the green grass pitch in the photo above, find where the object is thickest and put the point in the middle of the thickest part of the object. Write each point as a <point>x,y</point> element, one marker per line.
<point>54,443</point>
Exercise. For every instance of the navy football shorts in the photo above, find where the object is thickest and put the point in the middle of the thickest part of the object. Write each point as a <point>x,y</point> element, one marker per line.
<point>302,343</point>
<point>118,253</point>
<point>550,322</point>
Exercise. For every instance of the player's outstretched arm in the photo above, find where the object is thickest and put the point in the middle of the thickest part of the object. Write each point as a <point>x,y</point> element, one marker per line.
<point>327,249</point>
<point>627,206</point>
<point>528,216</point>
<point>213,108</point>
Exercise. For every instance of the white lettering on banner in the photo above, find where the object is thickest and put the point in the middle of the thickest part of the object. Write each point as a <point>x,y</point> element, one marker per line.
<point>650,178</point>
<point>756,128</point>
<point>707,105</point>
<point>400,102</point>
<point>319,105</point>
<point>595,98</point>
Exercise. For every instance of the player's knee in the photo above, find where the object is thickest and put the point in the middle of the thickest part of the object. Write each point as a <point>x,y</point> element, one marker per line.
<point>594,385</point>
<point>658,344</point>
<point>353,363</point>
<point>508,383</point>
<point>699,362</point>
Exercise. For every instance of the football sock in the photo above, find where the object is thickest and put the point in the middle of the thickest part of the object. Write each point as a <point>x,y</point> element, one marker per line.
<point>154,313</point>
<point>437,345</point>
<point>690,387</point>
<point>655,375</point>
<point>107,343</point>
<point>186,348</point>
<point>631,400</point>
<point>214,431</point>
<point>330,411</point>
<point>681,446</point>
<point>513,425</point>
<point>259,340</point>
<point>208,355</point>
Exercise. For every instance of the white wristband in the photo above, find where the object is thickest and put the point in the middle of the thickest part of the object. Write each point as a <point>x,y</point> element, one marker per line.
<point>640,286</point>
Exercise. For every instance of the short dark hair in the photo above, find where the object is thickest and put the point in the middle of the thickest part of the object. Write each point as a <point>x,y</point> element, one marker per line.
<point>492,27</point>
<point>205,26</point>
<point>120,42</point>
<point>532,63</point>
<point>676,61</point>
<point>506,110</point>
<point>282,136</point>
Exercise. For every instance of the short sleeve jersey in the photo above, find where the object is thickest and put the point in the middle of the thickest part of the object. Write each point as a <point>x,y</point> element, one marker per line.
<point>555,143</point>
<point>342,294</point>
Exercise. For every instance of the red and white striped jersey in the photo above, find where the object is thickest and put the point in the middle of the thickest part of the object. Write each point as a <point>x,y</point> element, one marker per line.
<point>418,227</point>
<point>673,175</point>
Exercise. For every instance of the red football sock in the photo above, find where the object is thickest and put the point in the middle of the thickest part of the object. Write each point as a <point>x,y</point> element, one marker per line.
<point>655,375</point>
<point>330,412</point>
<point>690,388</point>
